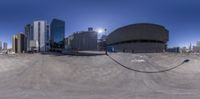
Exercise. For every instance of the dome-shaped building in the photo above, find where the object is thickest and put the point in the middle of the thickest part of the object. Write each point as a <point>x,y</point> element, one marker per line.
<point>139,38</point>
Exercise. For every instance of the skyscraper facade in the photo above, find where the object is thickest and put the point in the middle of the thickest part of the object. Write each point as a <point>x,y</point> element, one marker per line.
<point>28,36</point>
<point>21,43</point>
<point>14,43</point>
<point>18,43</point>
<point>41,35</point>
<point>57,37</point>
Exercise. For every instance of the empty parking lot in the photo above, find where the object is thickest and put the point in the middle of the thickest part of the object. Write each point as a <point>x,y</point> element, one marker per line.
<point>48,76</point>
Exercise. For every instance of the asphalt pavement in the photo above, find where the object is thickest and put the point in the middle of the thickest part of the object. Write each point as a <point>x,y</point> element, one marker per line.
<point>49,76</point>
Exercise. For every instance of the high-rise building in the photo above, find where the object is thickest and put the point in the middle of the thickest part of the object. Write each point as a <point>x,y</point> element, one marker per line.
<point>14,43</point>
<point>37,36</point>
<point>28,36</point>
<point>1,45</point>
<point>21,43</point>
<point>5,46</point>
<point>18,43</point>
<point>57,37</point>
<point>41,36</point>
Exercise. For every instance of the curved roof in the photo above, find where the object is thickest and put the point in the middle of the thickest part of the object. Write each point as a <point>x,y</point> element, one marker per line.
<point>141,31</point>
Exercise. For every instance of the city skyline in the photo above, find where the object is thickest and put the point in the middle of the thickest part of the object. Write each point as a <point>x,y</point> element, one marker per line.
<point>181,18</point>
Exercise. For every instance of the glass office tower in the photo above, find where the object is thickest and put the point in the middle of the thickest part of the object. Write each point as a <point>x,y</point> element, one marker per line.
<point>28,36</point>
<point>57,35</point>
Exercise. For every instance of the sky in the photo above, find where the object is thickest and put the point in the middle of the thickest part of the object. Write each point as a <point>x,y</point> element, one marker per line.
<point>180,17</point>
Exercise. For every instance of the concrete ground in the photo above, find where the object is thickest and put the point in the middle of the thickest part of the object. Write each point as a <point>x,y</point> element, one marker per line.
<point>37,76</point>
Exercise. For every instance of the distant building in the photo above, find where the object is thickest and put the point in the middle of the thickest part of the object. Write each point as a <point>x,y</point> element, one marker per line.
<point>139,38</point>
<point>184,50</point>
<point>41,36</point>
<point>0,45</point>
<point>5,46</point>
<point>33,45</point>
<point>196,48</point>
<point>18,43</point>
<point>28,36</point>
<point>190,48</point>
<point>174,50</point>
<point>38,32</point>
<point>90,29</point>
<point>57,37</point>
<point>14,44</point>
<point>21,43</point>
<point>68,42</point>
<point>198,43</point>
<point>85,40</point>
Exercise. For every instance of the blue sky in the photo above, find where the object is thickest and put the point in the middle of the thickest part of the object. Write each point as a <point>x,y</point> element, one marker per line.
<point>180,17</point>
